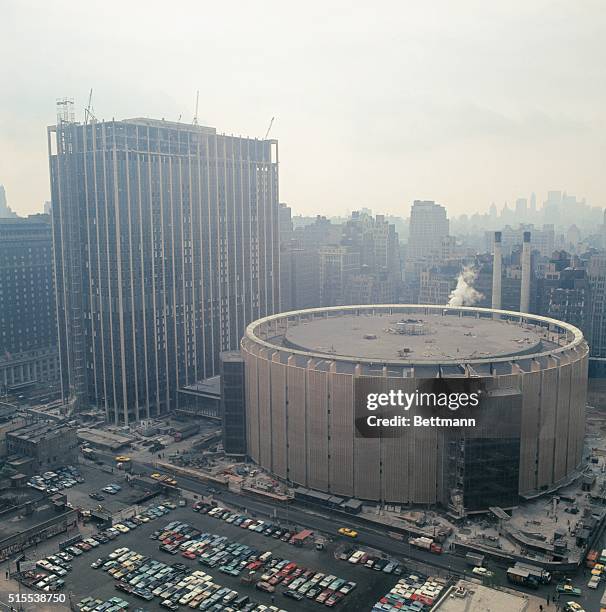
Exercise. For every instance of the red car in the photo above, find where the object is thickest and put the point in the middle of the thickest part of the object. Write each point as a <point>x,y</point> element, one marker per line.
<point>188,555</point>
<point>324,595</point>
<point>254,565</point>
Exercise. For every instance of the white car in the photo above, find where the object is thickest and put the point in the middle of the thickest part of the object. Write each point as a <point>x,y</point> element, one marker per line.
<point>594,582</point>
<point>92,542</point>
<point>482,571</point>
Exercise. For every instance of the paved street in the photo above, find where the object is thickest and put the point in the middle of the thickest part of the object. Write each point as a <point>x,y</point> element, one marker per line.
<point>85,581</point>
<point>446,563</point>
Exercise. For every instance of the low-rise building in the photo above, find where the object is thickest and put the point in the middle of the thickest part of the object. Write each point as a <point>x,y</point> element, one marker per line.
<point>201,399</point>
<point>47,444</point>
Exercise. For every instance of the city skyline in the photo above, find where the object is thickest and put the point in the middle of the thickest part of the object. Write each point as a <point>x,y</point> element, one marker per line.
<point>404,108</point>
<point>325,283</point>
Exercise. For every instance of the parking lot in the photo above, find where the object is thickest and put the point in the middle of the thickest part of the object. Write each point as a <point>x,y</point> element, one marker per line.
<point>95,480</point>
<point>86,581</point>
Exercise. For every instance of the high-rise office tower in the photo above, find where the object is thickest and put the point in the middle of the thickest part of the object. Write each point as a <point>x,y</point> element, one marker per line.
<point>564,293</point>
<point>300,277</point>
<point>596,275</point>
<point>166,246</point>
<point>28,330</point>
<point>428,226</point>
<point>5,209</point>
<point>428,244</point>
<point>533,203</point>
<point>286,227</point>
<point>338,264</point>
<point>380,277</point>
<point>521,208</point>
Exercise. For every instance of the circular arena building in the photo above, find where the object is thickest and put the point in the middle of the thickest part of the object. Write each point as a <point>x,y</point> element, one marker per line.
<point>305,371</point>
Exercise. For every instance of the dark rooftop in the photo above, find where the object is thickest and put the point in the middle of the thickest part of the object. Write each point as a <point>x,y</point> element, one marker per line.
<point>38,431</point>
<point>208,386</point>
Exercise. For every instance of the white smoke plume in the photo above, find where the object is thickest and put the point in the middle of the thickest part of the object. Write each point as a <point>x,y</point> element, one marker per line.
<point>464,294</point>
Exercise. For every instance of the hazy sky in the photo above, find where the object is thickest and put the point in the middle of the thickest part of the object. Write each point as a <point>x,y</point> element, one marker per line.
<point>376,104</point>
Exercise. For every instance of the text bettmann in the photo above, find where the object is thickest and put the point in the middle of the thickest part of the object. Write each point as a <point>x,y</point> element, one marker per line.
<point>418,421</point>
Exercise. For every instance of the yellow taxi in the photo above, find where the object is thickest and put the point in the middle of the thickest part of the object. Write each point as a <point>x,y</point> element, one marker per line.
<point>350,533</point>
<point>597,569</point>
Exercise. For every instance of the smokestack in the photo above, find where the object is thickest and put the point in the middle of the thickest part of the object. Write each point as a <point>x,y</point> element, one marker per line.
<point>496,271</point>
<point>525,288</point>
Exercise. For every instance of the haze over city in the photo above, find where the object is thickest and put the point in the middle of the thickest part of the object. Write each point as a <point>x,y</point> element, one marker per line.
<point>293,292</point>
<point>466,104</point>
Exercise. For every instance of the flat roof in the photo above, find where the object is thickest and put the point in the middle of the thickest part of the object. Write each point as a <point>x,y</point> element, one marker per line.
<point>208,386</point>
<point>407,334</point>
<point>39,431</point>
<point>173,125</point>
<point>466,596</point>
<point>17,521</point>
<point>104,438</point>
<point>419,337</point>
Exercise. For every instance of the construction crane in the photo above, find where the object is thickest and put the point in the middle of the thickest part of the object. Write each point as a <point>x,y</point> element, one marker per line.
<point>88,111</point>
<point>269,128</point>
<point>195,119</point>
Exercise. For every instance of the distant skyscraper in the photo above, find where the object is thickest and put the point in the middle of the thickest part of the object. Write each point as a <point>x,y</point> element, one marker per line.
<point>596,274</point>
<point>28,331</point>
<point>533,202</point>
<point>338,264</point>
<point>521,208</point>
<point>380,275</point>
<point>286,227</point>
<point>563,292</point>
<point>428,226</point>
<point>5,209</point>
<point>166,246</point>
<point>299,277</point>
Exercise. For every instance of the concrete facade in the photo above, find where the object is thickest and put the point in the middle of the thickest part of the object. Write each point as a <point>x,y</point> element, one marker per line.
<point>28,326</point>
<point>49,445</point>
<point>300,405</point>
<point>166,246</point>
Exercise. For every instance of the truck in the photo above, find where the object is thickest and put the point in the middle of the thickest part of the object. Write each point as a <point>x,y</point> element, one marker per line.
<point>591,559</point>
<point>474,559</point>
<point>541,575</point>
<point>425,543</point>
<point>185,431</point>
<point>89,453</point>
<point>523,577</point>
